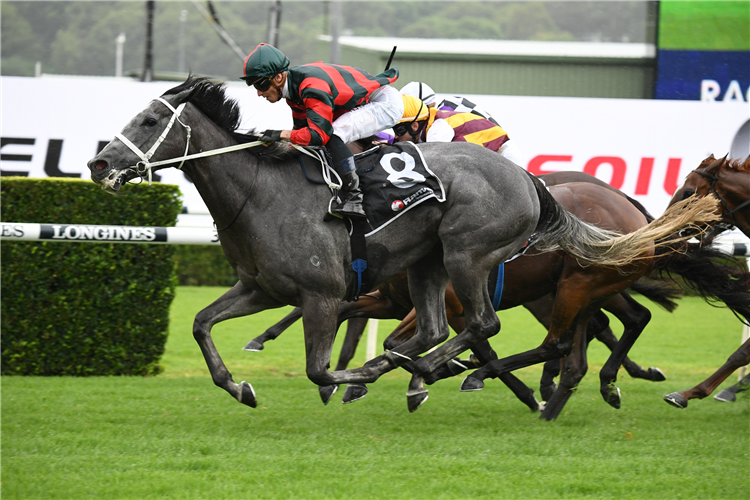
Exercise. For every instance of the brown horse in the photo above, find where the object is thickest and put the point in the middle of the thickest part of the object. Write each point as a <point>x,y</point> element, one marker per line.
<point>729,181</point>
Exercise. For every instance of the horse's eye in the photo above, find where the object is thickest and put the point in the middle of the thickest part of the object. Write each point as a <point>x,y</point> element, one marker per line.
<point>687,194</point>
<point>150,122</point>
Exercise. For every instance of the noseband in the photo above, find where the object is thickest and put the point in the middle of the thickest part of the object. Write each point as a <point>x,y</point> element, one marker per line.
<point>714,180</point>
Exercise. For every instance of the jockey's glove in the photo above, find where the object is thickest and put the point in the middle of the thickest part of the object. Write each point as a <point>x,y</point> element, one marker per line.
<point>271,136</point>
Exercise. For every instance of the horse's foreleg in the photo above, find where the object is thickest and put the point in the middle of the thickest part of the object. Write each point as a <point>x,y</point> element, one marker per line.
<point>319,315</point>
<point>375,305</point>
<point>238,301</point>
<point>273,332</point>
<point>739,358</point>
<point>354,329</point>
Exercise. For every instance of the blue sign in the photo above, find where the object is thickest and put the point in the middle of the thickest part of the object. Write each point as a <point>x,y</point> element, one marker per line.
<point>703,75</point>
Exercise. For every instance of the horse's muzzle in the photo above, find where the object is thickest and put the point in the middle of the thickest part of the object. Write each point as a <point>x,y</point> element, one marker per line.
<point>99,169</point>
<point>103,173</point>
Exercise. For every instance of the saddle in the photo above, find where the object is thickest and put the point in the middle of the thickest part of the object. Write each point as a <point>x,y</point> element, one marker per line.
<point>393,179</point>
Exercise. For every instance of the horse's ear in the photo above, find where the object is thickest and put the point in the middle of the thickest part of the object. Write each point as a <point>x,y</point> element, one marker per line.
<point>715,166</point>
<point>707,160</point>
<point>183,96</point>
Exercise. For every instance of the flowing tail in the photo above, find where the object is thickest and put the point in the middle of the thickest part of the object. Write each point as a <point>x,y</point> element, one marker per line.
<point>558,229</point>
<point>716,277</point>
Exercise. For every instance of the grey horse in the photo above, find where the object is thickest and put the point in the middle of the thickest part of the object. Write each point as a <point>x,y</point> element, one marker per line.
<point>272,231</point>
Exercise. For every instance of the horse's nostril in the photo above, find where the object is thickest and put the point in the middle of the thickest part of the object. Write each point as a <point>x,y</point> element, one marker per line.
<point>100,165</point>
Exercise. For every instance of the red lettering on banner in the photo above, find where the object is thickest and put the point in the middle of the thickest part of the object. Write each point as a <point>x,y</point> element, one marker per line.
<point>535,165</point>
<point>644,176</point>
<point>618,168</point>
<point>673,175</point>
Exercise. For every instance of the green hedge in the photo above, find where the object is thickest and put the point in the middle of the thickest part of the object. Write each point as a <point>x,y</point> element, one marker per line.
<point>203,265</point>
<point>85,308</point>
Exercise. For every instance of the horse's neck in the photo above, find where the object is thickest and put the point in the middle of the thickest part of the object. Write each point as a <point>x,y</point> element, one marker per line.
<point>740,200</point>
<point>223,180</point>
<point>239,181</point>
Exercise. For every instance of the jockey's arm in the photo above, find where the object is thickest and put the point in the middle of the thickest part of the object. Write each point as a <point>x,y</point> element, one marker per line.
<point>440,131</point>
<point>319,119</point>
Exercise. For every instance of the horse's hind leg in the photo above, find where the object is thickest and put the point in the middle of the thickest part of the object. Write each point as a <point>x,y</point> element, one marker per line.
<point>470,285</point>
<point>274,331</point>
<point>634,317</point>
<point>541,309</point>
<point>239,301</point>
<point>571,298</point>
<point>574,368</point>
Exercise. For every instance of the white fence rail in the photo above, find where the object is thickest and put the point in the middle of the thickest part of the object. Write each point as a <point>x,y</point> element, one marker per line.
<point>19,231</point>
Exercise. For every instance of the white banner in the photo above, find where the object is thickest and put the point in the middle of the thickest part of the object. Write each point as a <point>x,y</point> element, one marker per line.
<point>52,126</point>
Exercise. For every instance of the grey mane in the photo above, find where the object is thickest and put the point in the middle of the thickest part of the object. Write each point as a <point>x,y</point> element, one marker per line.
<point>210,98</point>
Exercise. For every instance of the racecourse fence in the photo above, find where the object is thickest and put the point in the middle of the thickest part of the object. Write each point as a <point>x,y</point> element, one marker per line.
<point>83,233</point>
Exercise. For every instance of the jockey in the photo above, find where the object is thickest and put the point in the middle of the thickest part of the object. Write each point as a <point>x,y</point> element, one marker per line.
<point>331,106</point>
<point>421,123</point>
<point>460,104</point>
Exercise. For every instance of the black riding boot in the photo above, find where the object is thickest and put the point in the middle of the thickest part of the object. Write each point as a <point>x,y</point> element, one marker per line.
<point>350,194</point>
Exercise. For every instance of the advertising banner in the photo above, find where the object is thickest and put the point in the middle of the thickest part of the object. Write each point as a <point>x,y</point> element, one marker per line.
<point>52,126</point>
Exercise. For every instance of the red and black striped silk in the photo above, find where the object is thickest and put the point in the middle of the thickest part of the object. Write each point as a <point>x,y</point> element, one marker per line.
<point>320,93</point>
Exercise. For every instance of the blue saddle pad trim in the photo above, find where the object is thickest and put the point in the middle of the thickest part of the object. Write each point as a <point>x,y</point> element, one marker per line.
<point>498,295</point>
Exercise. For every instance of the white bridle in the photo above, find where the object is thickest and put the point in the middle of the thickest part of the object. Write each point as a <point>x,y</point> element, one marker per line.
<point>145,166</point>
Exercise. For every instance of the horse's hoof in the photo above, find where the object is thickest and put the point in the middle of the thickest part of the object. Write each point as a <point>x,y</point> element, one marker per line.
<point>538,407</point>
<point>726,396</point>
<point>656,375</point>
<point>471,384</point>
<point>253,346</point>
<point>353,393</point>
<point>247,395</point>
<point>676,399</point>
<point>415,400</point>
<point>326,392</point>
<point>612,396</point>
<point>547,391</point>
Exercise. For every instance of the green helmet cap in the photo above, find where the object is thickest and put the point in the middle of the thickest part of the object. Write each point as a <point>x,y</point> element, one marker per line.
<point>263,62</point>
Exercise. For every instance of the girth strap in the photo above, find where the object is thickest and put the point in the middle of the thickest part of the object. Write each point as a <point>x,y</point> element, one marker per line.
<point>359,257</point>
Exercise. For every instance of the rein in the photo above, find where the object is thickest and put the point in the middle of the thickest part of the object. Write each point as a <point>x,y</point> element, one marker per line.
<point>144,168</point>
<point>714,180</point>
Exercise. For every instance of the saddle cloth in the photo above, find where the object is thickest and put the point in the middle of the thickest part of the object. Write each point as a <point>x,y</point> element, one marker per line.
<point>394,179</point>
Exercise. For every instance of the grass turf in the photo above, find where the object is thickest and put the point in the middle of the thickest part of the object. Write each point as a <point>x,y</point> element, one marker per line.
<point>178,436</point>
